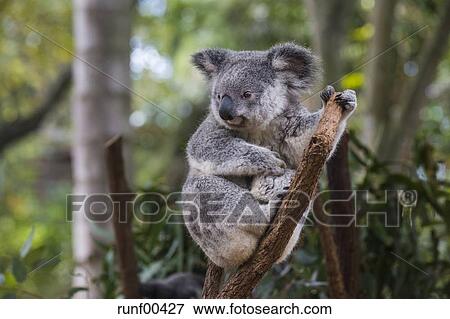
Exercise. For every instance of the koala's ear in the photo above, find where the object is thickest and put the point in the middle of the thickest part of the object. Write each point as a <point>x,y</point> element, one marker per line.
<point>296,65</point>
<point>209,61</point>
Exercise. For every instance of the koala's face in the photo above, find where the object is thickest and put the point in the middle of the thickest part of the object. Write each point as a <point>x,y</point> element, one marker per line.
<point>251,88</point>
<point>238,94</point>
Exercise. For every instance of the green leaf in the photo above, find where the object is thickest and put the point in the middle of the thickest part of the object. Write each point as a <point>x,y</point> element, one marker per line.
<point>10,281</point>
<point>18,269</point>
<point>27,244</point>
<point>353,80</point>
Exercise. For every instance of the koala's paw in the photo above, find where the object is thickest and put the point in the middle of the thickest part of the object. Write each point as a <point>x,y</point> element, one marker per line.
<point>262,188</point>
<point>271,188</point>
<point>326,94</point>
<point>272,164</point>
<point>282,184</point>
<point>347,100</point>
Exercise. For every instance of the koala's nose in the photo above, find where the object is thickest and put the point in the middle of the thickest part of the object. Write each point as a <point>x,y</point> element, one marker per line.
<point>226,108</point>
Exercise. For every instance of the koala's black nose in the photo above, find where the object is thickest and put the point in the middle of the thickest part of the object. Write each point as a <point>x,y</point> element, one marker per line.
<point>226,108</point>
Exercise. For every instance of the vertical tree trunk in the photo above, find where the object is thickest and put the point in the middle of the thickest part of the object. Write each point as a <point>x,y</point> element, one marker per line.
<point>330,23</point>
<point>100,109</point>
<point>346,237</point>
<point>380,73</point>
<point>213,281</point>
<point>396,142</point>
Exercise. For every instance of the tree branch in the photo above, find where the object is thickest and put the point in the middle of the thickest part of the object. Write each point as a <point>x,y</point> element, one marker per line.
<point>213,280</point>
<point>342,210</point>
<point>302,189</point>
<point>122,218</point>
<point>336,285</point>
<point>11,132</point>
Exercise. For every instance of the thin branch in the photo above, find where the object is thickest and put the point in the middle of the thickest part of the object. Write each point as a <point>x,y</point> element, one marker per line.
<point>11,132</point>
<point>272,245</point>
<point>336,285</point>
<point>122,218</point>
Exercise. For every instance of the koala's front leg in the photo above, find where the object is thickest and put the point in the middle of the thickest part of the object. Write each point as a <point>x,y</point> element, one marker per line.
<point>215,151</point>
<point>301,127</point>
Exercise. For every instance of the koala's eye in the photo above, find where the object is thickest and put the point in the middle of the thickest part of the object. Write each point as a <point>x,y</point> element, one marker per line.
<point>218,97</point>
<point>247,95</point>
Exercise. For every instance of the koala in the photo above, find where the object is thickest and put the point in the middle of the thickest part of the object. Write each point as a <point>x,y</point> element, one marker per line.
<point>244,154</point>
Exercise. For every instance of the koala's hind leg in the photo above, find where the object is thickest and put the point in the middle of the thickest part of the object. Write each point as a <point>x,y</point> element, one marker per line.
<point>223,218</point>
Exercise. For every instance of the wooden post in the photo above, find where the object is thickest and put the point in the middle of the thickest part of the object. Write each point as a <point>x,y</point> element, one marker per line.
<point>122,218</point>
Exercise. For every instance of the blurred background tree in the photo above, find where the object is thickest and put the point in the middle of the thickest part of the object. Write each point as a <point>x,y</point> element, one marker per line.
<point>394,53</point>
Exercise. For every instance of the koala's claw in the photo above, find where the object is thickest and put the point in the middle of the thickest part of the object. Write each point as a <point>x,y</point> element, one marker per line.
<point>274,188</point>
<point>276,165</point>
<point>346,100</point>
<point>280,195</point>
<point>327,93</point>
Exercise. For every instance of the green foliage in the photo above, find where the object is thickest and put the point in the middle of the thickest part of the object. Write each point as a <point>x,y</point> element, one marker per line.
<point>162,244</point>
<point>410,261</point>
<point>27,197</point>
<point>16,270</point>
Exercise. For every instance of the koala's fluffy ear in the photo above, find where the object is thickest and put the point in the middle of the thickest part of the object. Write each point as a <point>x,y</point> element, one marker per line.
<point>296,65</point>
<point>209,61</point>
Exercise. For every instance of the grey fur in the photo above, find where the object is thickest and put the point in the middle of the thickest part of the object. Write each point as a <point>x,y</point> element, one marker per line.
<point>240,168</point>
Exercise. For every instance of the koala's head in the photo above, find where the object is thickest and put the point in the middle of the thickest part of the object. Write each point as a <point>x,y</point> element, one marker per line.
<point>251,88</point>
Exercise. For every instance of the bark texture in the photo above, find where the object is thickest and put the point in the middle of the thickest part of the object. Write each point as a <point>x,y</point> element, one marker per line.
<point>346,233</point>
<point>213,281</point>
